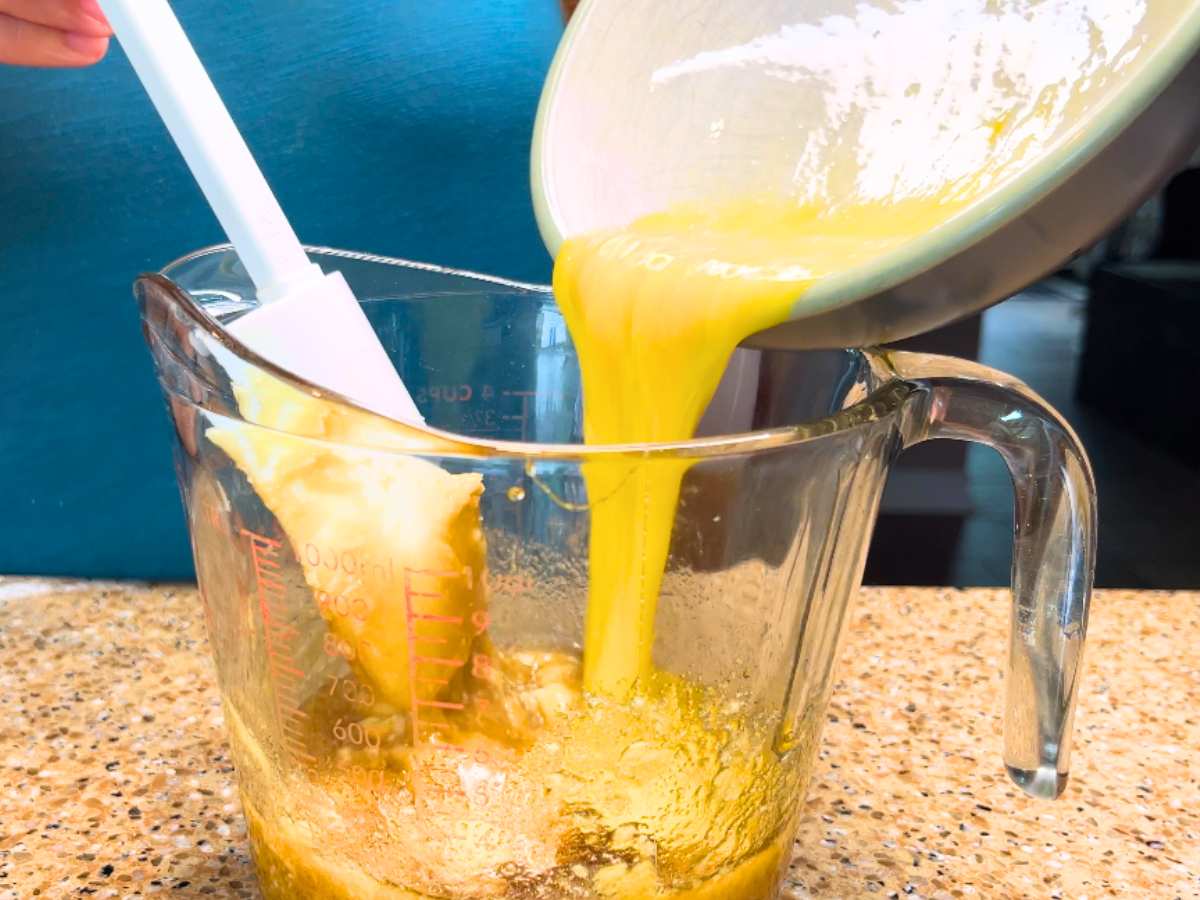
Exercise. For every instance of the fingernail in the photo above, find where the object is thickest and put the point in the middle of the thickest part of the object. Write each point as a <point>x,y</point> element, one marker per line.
<point>91,9</point>
<point>86,45</point>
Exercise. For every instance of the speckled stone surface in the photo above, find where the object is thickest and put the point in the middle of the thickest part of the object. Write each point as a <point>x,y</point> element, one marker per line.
<point>115,780</point>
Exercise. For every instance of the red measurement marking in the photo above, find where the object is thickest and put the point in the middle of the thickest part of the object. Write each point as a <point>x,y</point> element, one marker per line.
<point>298,751</point>
<point>283,665</point>
<point>264,553</point>
<point>288,689</point>
<point>271,593</point>
<point>414,617</point>
<point>284,631</point>
<point>440,661</point>
<point>429,617</point>
<point>523,418</point>
<point>440,704</point>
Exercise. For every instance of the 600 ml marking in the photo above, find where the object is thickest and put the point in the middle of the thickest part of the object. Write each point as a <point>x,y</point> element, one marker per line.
<point>279,635</point>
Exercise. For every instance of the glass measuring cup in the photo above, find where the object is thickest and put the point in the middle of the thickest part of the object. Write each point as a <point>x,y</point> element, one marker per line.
<point>397,618</point>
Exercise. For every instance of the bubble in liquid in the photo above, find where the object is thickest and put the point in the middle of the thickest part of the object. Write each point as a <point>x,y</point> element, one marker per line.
<point>516,493</point>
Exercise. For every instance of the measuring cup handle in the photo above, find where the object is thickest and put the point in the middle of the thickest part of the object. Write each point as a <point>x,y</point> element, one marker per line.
<point>1054,546</point>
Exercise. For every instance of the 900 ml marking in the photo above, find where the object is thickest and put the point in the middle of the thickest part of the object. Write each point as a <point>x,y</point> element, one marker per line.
<point>341,605</point>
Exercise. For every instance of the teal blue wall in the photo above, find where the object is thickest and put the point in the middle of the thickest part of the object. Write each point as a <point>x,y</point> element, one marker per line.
<point>384,125</point>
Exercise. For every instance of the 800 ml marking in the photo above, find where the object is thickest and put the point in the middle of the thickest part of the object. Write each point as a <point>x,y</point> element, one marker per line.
<point>340,647</point>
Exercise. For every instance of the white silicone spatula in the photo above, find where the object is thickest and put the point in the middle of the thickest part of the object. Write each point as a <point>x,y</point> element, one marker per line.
<point>309,321</point>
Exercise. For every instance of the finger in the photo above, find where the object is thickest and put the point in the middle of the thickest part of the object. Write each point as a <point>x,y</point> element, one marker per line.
<point>28,44</point>
<point>79,16</point>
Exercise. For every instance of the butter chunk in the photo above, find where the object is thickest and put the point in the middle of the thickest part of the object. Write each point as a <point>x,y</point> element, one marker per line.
<point>391,544</point>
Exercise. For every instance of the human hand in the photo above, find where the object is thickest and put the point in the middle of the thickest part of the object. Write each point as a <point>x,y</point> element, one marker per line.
<point>62,33</point>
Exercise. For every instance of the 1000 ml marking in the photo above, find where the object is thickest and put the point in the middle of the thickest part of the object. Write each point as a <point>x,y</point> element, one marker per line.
<point>278,635</point>
<point>350,563</point>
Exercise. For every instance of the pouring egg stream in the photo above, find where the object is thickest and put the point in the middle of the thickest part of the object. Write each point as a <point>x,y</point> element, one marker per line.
<point>605,777</point>
<point>655,310</point>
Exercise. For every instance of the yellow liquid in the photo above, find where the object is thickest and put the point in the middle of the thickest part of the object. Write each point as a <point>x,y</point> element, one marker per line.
<point>544,794</point>
<point>655,311</point>
<point>600,777</point>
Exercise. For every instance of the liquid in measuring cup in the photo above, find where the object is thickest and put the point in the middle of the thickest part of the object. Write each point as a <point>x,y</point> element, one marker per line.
<point>495,777</point>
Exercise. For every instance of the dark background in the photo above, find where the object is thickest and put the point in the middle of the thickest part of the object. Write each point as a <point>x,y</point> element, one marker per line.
<point>403,129</point>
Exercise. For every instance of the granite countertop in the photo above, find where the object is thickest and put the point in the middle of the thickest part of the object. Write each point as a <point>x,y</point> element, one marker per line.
<point>115,778</point>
